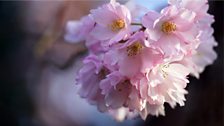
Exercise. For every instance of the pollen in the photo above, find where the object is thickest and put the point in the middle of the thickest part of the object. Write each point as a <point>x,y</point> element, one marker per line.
<point>164,73</point>
<point>134,49</point>
<point>117,25</point>
<point>168,27</point>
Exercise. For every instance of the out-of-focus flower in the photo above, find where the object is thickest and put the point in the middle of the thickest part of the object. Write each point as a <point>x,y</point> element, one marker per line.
<point>77,31</point>
<point>200,7</point>
<point>204,55</point>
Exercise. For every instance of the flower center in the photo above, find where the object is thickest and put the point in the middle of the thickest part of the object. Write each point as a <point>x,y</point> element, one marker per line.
<point>102,74</point>
<point>117,25</point>
<point>164,73</point>
<point>123,85</point>
<point>134,49</point>
<point>168,27</point>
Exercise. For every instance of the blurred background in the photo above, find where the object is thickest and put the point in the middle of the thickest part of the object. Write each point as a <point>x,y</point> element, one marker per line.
<point>37,70</point>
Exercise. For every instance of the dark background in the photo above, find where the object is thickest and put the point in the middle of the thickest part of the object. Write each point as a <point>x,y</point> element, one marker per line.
<point>204,105</point>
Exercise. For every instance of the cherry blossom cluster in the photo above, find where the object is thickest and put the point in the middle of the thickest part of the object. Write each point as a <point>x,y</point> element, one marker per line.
<point>137,62</point>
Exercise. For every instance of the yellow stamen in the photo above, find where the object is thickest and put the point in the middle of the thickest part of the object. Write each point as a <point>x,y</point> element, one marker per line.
<point>134,49</point>
<point>117,25</point>
<point>168,27</point>
<point>164,73</point>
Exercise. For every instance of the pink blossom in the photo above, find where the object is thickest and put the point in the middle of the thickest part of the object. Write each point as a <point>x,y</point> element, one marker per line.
<point>112,22</point>
<point>204,55</point>
<point>164,83</point>
<point>135,68</point>
<point>119,92</point>
<point>118,95</point>
<point>89,78</point>
<point>76,31</point>
<point>121,96</point>
<point>172,30</point>
<point>135,52</point>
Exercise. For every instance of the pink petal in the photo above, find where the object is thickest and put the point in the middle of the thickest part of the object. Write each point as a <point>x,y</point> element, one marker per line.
<point>169,44</point>
<point>103,16</point>
<point>110,81</point>
<point>184,20</point>
<point>124,13</point>
<point>117,98</point>
<point>154,34</point>
<point>118,36</point>
<point>149,18</point>
<point>130,66</point>
<point>102,33</point>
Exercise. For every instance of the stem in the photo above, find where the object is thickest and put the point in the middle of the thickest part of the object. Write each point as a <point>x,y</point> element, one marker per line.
<point>136,24</point>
